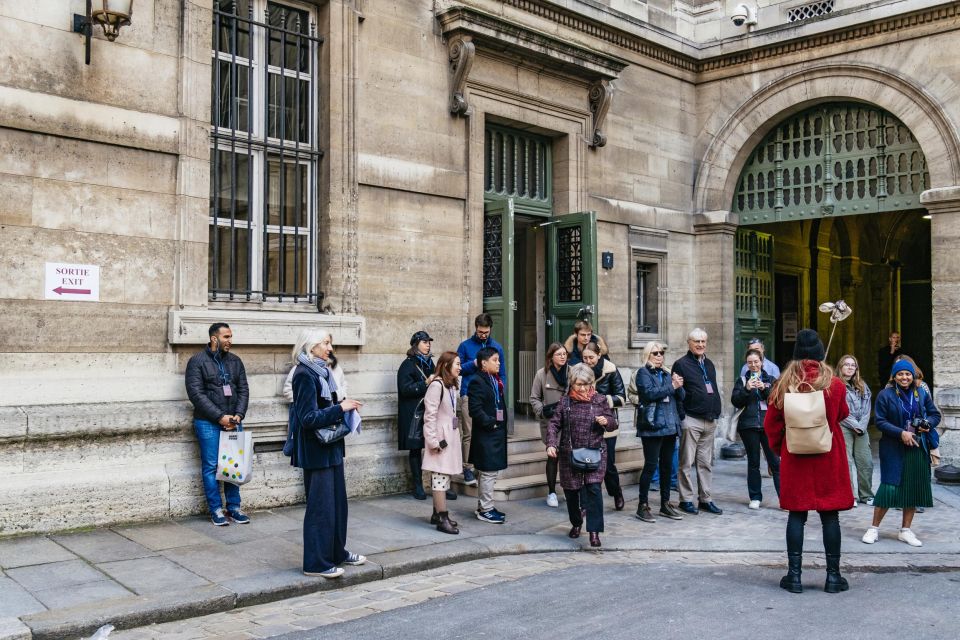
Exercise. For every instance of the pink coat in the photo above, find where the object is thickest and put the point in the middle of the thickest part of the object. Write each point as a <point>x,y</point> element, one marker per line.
<point>438,418</point>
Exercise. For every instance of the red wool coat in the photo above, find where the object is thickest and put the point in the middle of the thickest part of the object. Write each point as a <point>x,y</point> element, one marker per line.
<point>817,482</point>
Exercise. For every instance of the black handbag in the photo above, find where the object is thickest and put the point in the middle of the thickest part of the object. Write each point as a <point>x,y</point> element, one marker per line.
<point>329,435</point>
<point>415,428</point>
<point>549,409</point>
<point>585,459</point>
<point>646,417</point>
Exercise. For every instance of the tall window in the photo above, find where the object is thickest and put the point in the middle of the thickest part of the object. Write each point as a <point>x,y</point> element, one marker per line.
<point>264,155</point>
<point>648,313</point>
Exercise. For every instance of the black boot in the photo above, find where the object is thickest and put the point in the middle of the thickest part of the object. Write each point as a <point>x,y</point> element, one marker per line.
<point>791,581</point>
<point>417,473</point>
<point>446,525</point>
<point>835,582</point>
<point>435,518</point>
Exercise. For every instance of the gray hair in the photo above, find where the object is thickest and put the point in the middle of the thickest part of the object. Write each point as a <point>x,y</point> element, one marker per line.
<point>697,334</point>
<point>581,373</point>
<point>308,339</point>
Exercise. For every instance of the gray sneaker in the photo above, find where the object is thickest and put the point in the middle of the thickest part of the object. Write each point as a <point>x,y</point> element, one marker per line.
<point>643,513</point>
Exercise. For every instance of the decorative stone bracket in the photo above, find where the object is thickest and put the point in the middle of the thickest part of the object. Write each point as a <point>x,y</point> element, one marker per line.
<point>468,29</point>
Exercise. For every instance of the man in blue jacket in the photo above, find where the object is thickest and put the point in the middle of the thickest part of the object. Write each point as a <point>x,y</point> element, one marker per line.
<point>468,349</point>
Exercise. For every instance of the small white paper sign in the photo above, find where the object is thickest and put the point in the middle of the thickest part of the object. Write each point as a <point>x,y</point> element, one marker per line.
<point>72,282</point>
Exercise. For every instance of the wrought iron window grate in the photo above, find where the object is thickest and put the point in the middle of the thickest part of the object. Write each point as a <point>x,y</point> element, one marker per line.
<point>811,10</point>
<point>264,152</point>
<point>493,256</point>
<point>569,265</point>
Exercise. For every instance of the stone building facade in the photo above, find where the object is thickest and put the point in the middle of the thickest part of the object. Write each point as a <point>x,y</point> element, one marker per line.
<point>375,168</point>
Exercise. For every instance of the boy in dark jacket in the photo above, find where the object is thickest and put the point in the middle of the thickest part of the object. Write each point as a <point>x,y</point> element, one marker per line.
<point>488,448</point>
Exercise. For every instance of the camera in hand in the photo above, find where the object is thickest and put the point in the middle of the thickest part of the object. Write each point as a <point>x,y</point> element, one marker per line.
<point>919,425</point>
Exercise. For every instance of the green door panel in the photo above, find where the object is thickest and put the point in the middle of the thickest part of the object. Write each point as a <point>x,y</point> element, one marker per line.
<point>754,301</point>
<point>571,273</point>
<point>498,282</point>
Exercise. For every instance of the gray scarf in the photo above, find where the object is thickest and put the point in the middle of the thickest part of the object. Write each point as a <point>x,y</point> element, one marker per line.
<point>328,385</point>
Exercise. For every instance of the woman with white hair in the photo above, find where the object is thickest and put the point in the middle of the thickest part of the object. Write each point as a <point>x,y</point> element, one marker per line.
<point>316,408</point>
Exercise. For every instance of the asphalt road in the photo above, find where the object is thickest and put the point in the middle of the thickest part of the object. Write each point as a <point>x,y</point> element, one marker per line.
<point>628,602</point>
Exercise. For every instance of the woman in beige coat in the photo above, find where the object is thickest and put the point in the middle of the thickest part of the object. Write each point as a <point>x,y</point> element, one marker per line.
<point>549,386</point>
<point>441,436</point>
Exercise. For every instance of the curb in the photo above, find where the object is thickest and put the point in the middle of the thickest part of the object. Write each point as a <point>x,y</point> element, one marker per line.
<point>135,611</point>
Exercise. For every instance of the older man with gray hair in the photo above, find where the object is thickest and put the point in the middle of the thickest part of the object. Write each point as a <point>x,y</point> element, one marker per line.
<point>701,407</point>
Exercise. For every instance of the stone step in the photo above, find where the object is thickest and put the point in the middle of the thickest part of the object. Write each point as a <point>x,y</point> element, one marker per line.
<point>535,485</point>
<point>525,464</point>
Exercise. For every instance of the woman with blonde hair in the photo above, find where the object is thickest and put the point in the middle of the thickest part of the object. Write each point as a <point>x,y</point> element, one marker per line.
<point>441,437</point>
<point>859,456</point>
<point>819,482</point>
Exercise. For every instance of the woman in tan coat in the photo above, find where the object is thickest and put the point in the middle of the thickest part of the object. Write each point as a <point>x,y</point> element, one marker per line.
<point>549,386</point>
<point>441,436</point>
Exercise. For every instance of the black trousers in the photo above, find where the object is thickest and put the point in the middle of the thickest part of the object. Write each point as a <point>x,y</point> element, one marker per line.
<point>611,479</point>
<point>589,498</point>
<point>657,453</point>
<point>753,441</point>
<point>325,521</point>
<point>829,520</point>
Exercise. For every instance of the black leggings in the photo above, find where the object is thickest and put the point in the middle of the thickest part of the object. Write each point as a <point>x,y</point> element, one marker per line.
<point>552,475</point>
<point>829,520</point>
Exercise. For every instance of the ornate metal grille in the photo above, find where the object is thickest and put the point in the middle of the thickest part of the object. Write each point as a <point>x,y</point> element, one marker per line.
<point>493,256</point>
<point>812,10</point>
<point>834,159</point>
<point>517,165</point>
<point>754,274</point>
<point>569,265</point>
<point>265,155</point>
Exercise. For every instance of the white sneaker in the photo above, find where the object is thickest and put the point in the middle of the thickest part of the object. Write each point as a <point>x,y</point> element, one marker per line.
<point>552,500</point>
<point>871,535</point>
<point>908,536</point>
<point>869,502</point>
<point>855,505</point>
<point>754,504</point>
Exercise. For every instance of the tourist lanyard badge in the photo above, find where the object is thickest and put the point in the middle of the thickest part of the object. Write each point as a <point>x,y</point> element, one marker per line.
<point>496,396</point>
<point>706,378</point>
<point>666,398</point>
<point>224,378</point>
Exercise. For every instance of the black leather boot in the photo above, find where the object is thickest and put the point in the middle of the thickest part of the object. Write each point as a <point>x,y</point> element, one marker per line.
<point>446,525</point>
<point>435,518</point>
<point>791,581</point>
<point>417,474</point>
<point>835,582</point>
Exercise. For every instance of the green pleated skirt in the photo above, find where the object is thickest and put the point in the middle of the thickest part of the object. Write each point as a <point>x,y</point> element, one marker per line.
<point>914,489</point>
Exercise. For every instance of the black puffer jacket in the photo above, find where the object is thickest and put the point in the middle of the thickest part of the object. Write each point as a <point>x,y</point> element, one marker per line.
<point>749,401</point>
<point>204,383</point>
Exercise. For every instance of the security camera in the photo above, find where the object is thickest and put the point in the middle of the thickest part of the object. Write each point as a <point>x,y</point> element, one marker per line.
<point>744,15</point>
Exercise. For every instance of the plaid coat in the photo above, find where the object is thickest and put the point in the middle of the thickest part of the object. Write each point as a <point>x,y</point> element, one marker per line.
<point>573,426</point>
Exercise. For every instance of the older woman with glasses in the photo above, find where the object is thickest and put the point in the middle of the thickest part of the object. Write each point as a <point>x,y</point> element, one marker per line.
<point>658,424</point>
<point>859,456</point>
<point>579,422</point>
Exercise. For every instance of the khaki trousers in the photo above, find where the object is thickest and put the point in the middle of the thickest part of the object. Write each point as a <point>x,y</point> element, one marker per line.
<point>696,449</point>
<point>466,428</point>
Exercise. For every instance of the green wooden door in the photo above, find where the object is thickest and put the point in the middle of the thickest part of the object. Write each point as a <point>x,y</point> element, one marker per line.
<point>498,282</point>
<point>571,273</point>
<point>754,305</point>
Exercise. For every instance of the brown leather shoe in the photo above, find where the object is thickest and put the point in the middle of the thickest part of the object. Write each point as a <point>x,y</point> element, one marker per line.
<point>574,532</point>
<point>435,519</point>
<point>594,539</point>
<point>446,526</point>
<point>618,500</point>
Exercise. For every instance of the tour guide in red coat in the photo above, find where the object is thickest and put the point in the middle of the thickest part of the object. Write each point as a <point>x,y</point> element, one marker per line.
<point>819,482</point>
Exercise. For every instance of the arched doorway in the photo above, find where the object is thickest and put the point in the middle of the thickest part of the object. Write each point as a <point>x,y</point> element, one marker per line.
<point>829,208</point>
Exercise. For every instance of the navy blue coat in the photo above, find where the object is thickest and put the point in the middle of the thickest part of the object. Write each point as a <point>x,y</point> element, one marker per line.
<point>308,413</point>
<point>890,421</point>
<point>667,416</point>
<point>488,442</point>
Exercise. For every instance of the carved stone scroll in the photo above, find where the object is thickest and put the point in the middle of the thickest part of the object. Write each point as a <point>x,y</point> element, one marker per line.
<point>462,51</point>
<point>601,92</point>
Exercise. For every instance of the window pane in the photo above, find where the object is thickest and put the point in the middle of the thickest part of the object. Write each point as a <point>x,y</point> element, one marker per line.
<point>288,50</point>
<point>229,259</point>
<point>287,197</point>
<point>286,264</point>
<point>229,185</point>
<point>647,297</point>
<point>288,104</point>
<point>232,97</point>
<point>233,35</point>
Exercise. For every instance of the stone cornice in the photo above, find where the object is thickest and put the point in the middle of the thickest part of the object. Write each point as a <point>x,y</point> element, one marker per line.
<point>497,34</point>
<point>699,61</point>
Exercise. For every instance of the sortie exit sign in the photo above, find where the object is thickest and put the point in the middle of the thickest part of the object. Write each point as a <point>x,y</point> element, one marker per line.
<point>72,282</point>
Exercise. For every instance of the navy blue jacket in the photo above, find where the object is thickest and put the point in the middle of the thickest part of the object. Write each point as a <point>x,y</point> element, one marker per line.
<point>308,413</point>
<point>890,421</point>
<point>468,351</point>
<point>697,402</point>
<point>653,388</point>
<point>749,401</point>
<point>488,442</point>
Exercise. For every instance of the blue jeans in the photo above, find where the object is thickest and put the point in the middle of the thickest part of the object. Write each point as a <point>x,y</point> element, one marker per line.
<point>673,469</point>
<point>208,435</point>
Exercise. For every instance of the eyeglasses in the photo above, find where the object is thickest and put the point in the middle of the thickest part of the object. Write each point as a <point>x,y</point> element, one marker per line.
<point>581,385</point>
<point>657,353</point>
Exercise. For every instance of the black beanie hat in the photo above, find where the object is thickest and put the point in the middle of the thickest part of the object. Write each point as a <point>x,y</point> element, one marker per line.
<point>808,346</point>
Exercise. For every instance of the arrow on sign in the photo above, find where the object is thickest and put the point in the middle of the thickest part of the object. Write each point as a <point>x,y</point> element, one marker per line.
<point>61,291</point>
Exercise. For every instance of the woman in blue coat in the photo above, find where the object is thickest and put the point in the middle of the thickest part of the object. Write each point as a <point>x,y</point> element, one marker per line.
<point>658,425</point>
<point>906,417</point>
<point>315,407</point>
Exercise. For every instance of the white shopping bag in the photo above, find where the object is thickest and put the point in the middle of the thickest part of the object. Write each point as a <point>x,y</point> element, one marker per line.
<point>235,457</point>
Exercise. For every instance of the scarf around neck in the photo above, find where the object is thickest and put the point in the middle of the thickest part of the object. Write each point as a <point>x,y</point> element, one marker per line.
<point>560,375</point>
<point>583,396</point>
<point>328,385</point>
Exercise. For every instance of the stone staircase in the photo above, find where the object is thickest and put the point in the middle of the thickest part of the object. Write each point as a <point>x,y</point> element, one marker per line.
<point>525,476</point>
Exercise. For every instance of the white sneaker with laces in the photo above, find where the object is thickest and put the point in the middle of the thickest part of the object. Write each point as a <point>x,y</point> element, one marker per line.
<point>871,535</point>
<point>552,500</point>
<point>869,502</point>
<point>909,537</point>
<point>754,504</point>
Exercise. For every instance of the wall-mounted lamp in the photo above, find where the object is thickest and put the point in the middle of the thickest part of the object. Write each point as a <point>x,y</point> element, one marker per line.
<point>109,14</point>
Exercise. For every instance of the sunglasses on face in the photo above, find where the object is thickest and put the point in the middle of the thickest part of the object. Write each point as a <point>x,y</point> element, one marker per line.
<point>657,353</point>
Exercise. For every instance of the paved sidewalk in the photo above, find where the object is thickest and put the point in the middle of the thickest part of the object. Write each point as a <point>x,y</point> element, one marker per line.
<point>65,586</point>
